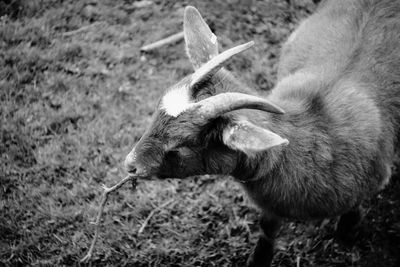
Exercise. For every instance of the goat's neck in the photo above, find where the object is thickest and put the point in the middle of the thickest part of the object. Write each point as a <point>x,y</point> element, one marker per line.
<point>304,118</point>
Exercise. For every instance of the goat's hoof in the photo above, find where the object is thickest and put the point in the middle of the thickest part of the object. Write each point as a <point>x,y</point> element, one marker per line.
<point>348,228</point>
<point>347,238</point>
<point>253,262</point>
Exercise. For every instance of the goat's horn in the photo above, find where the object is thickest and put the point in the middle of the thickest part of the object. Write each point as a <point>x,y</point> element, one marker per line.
<point>219,104</point>
<point>214,64</point>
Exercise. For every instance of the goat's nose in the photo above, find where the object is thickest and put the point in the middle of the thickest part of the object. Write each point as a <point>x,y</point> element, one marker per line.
<point>130,162</point>
<point>131,169</point>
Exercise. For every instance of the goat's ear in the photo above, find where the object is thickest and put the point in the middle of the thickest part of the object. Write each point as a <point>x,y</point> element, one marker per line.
<point>249,138</point>
<point>201,43</point>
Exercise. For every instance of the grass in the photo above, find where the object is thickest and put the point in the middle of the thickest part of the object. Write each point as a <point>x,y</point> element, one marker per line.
<point>73,105</point>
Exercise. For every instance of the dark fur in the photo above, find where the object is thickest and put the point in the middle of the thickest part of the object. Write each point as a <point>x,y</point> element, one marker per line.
<point>342,123</point>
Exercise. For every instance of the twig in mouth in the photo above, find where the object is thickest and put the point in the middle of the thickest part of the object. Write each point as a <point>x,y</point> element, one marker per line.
<point>107,190</point>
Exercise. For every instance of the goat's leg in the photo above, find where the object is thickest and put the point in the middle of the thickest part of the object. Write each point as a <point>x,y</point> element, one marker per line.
<point>264,250</point>
<point>346,228</point>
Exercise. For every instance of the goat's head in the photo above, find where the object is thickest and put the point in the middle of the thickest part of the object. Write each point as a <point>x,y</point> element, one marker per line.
<point>190,132</point>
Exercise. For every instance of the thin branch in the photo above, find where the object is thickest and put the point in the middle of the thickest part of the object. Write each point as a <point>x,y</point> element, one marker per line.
<point>84,28</point>
<point>152,214</point>
<point>107,191</point>
<point>169,40</point>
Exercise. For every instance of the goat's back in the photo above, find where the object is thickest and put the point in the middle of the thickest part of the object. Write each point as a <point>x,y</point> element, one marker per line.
<point>345,36</point>
<point>357,40</point>
<point>339,83</point>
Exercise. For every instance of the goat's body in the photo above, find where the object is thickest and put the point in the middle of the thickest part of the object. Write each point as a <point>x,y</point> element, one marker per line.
<point>339,83</point>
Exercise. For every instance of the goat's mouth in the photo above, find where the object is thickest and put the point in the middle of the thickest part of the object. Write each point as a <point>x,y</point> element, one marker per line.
<point>143,175</point>
<point>152,177</point>
<point>139,172</point>
<point>148,177</point>
<point>147,174</point>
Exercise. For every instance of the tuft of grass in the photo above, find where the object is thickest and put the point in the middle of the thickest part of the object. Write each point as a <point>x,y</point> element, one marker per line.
<point>72,106</point>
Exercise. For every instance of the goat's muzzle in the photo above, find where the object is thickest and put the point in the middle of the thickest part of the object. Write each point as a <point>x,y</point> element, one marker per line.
<point>130,162</point>
<point>134,168</point>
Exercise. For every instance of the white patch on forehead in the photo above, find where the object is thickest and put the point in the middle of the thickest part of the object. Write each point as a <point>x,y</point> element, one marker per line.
<point>176,101</point>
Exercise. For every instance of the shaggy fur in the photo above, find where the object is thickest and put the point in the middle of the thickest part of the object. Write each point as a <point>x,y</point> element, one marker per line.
<point>339,84</point>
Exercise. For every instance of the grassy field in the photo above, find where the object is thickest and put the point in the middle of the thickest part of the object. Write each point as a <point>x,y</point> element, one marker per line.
<point>76,94</point>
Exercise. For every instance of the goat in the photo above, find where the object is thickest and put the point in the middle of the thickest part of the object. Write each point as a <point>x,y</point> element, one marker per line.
<point>317,146</point>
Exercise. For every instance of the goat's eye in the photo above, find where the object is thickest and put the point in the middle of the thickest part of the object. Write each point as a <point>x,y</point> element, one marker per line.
<point>173,158</point>
<point>172,153</point>
<point>175,146</point>
<point>178,152</point>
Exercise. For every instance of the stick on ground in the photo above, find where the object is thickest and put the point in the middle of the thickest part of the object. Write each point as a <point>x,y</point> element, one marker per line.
<point>152,214</point>
<point>169,40</point>
<point>107,190</point>
<point>82,29</point>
